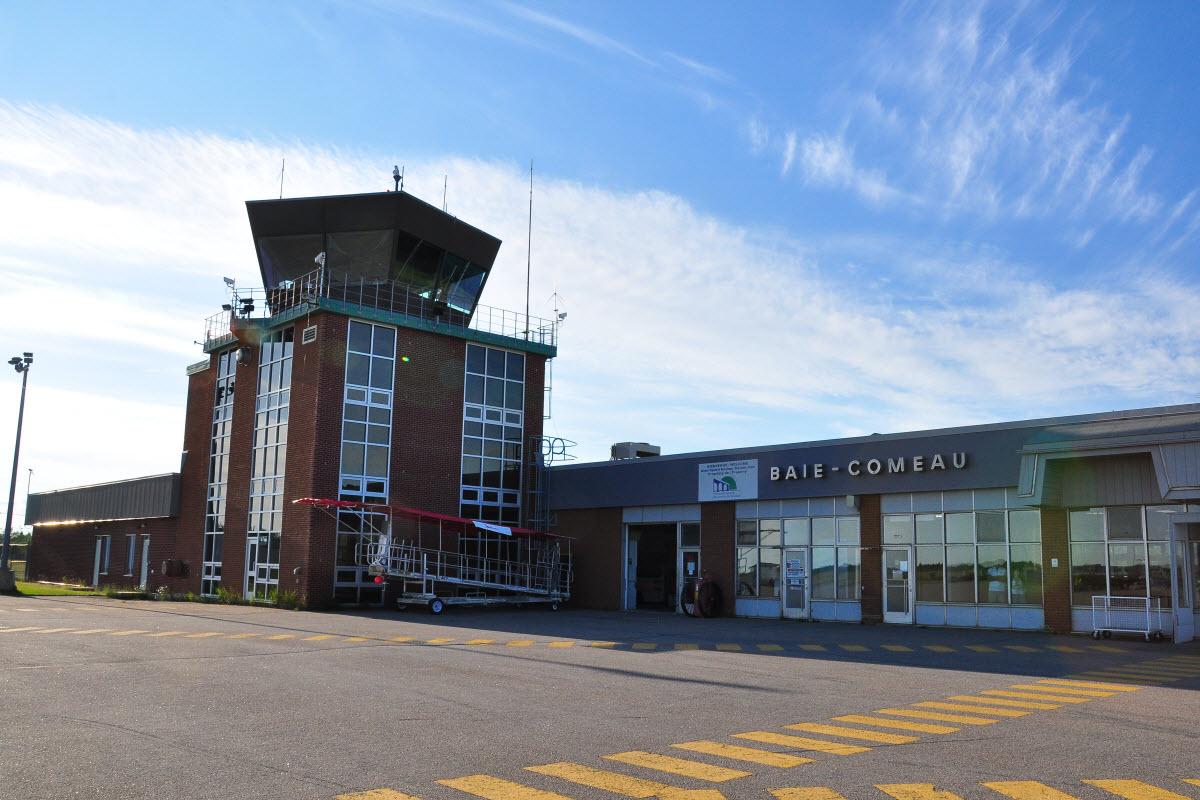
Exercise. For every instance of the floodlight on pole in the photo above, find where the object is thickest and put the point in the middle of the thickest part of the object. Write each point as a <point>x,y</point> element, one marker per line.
<point>21,364</point>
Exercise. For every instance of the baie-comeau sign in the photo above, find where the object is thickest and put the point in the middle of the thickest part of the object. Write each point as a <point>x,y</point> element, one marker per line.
<point>729,480</point>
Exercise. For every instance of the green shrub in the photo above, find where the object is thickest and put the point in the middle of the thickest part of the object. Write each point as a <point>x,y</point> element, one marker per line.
<point>287,599</point>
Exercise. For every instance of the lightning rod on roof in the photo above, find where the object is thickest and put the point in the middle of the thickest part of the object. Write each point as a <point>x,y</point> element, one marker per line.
<point>529,249</point>
<point>282,169</point>
<point>445,186</point>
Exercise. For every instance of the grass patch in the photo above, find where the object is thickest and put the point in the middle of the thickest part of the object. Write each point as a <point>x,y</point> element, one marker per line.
<point>31,589</point>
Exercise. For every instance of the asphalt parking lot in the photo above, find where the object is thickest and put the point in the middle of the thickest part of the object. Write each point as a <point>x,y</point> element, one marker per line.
<point>143,699</point>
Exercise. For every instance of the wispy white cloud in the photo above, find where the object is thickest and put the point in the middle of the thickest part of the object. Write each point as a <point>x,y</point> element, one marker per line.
<point>828,161</point>
<point>789,152</point>
<point>584,35</point>
<point>703,70</point>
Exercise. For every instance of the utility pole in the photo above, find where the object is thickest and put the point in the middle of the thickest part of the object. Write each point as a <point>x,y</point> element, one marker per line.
<point>8,582</point>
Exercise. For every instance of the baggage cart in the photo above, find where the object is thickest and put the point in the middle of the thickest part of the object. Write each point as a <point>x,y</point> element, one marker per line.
<point>1112,614</point>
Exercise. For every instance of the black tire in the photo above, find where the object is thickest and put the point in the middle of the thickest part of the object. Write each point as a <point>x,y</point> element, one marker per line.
<point>1095,634</point>
<point>554,606</point>
<point>709,599</point>
<point>687,599</point>
<point>436,606</point>
<point>401,606</point>
<point>1108,634</point>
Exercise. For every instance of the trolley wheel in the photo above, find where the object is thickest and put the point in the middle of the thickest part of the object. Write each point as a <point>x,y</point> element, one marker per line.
<point>1095,634</point>
<point>1108,634</point>
<point>436,606</point>
<point>401,606</point>
<point>554,606</point>
<point>1158,636</point>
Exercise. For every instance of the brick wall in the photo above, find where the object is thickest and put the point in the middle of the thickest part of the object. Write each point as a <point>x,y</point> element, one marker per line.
<point>69,551</point>
<point>871,532</point>
<point>1056,581</point>
<point>188,541</point>
<point>596,551</point>
<point>718,530</point>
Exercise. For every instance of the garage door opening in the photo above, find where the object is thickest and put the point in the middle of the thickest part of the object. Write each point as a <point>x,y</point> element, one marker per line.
<point>651,566</point>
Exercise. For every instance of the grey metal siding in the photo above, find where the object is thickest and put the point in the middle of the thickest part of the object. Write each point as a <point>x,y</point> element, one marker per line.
<point>139,498</point>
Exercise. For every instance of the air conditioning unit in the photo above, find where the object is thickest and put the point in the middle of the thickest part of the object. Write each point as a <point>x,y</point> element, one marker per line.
<point>625,450</point>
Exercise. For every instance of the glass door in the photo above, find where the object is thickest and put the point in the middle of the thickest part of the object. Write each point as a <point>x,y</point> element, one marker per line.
<point>689,573</point>
<point>897,585</point>
<point>795,583</point>
<point>1182,584</point>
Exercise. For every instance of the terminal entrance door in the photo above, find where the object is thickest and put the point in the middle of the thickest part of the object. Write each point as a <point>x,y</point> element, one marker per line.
<point>795,583</point>
<point>897,585</point>
<point>1184,556</point>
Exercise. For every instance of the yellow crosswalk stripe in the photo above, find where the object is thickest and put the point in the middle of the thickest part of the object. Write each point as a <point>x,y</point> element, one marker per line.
<point>769,648</point>
<point>896,648</point>
<point>490,788</point>
<point>678,766</point>
<point>278,637</point>
<point>442,640</point>
<point>1116,687</point>
<point>402,639</point>
<point>1136,790</point>
<point>916,791</point>
<point>1127,674</point>
<point>376,794</point>
<point>686,646</point>
<point>1105,648</point>
<point>645,646</point>
<point>802,743</point>
<point>320,637</point>
<point>614,782</point>
<point>853,648</point>
<point>939,648</point>
<point>1064,648</point>
<point>556,645</point>
<point>84,633</point>
<point>491,641</point>
<point>729,647</point>
<point>851,733</point>
<point>1020,648</point>
<point>997,701</point>
<point>35,628</point>
<point>1033,687</point>
<point>807,793</point>
<point>245,635</point>
<point>516,643</point>
<point>64,630</point>
<point>900,725</point>
<point>1160,669</point>
<point>992,711</point>
<point>813,648</point>
<point>603,644</point>
<point>739,753</point>
<point>204,635</point>
<point>982,648</point>
<point>1027,790</point>
<point>1192,781</point>
<point>126,633</point>
<point>164,634</point>
<point>358,638</point>
<point>961,719</point>
<point>1034,696</point>
<point>1131,679</point>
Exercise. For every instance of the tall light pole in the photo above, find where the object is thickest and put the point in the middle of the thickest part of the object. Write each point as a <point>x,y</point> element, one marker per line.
<point>21,364</point>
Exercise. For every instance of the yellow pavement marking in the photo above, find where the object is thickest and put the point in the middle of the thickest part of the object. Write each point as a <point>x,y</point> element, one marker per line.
<point>996,701</point>
<point>556,645</point>
<point>853,648</point>
<point>516,643</point>
<point>769,648</point>
<point>320,637</point>
<point>358,638</point>
<point>982,648</point>
<point>64,630</point>
<point>1138,674</point>
<point>164,633</point>
<point>1027,790</point>
<point>244,635</point>
<point>376,794</point>
<point>128,633</point>
<point>205,635</point>
<point>729,647</point>
<point>813,647</point>
<point>82,633</point>
<point>440,640</point>
<point>939,648</point>
<point>807,793</point>
<point>802,743</point>
<point>880,722</point>
<point>1034,696</point>
<point>916,791</point>
<point>959,718</point>
<point>490,788</point>
<point>614,782</point>
<point>896,648</point>
<point>645,646</point>
<point>1116,687</point>
<point>1106,648</point>
<point>1192,781</point>
<point>1020,648</point>
<point>35,628</point>
<point>1117,676</point>
<point>851,733</point>
<point>1065,648</point>
<point>603,644</point>
<point>739,753</point>
<point>402,639</point>
<point>491,641</point>
<point>1158,669</point>
<point>678,766</point>
<point>686,646</point>
<point>280,636</point>
<point>1136,790</point>
<point>1034,687</point>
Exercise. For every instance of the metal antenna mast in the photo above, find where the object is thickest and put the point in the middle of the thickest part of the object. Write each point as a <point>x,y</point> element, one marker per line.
<point>282,169</point>
<point>529,249</point>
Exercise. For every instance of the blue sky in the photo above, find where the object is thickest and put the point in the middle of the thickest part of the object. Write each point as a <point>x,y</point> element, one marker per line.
<point>768,222</point>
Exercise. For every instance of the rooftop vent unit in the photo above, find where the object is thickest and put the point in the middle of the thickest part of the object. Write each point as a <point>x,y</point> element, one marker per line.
<point>626,450</point>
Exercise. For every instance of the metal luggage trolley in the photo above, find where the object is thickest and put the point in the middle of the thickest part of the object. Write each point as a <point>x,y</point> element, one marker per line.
<point>439,560</point>
<point>1126,615</point>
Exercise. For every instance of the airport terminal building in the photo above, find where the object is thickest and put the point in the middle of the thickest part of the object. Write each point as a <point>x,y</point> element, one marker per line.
<point>365,371</point>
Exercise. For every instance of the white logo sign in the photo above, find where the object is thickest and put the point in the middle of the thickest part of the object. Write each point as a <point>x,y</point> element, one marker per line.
<point>729,480</point>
